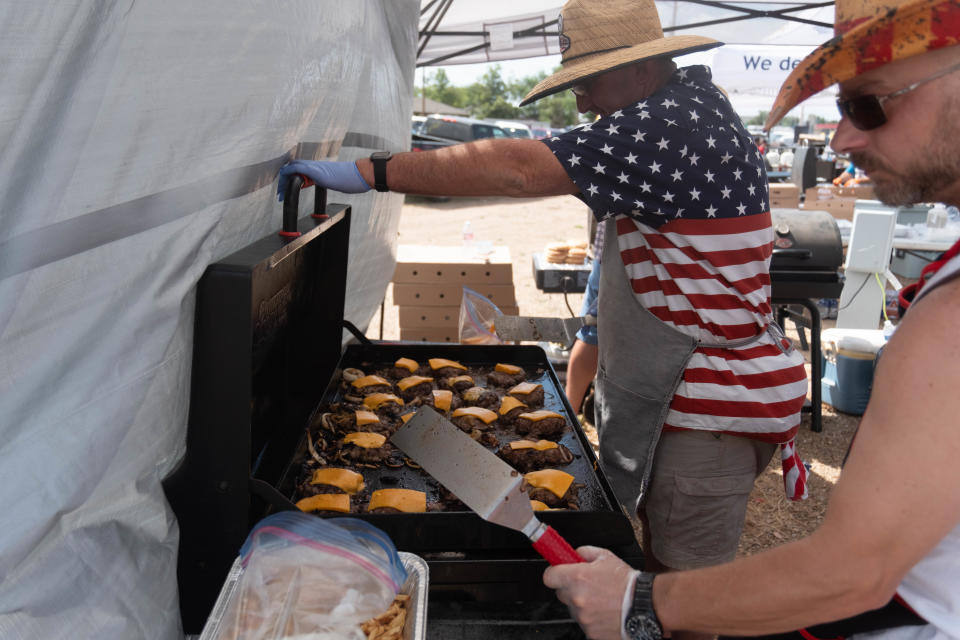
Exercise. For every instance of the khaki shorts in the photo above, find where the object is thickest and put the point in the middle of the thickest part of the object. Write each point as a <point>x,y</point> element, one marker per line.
<point>697,497</point>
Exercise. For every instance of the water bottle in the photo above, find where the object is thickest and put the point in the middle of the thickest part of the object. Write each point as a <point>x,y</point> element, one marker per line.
<point>937,217</point>
<point>888,329</point>
<point>467,237</point>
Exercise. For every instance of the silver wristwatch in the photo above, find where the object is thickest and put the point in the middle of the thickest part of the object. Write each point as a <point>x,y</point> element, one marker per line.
<point>641,622</point>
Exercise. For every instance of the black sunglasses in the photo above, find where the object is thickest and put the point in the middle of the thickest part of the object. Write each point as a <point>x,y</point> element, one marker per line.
<point>866,112</point>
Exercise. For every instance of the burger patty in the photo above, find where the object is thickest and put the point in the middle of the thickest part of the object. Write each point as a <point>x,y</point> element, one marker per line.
<point>501,379</point>
<point>470,423</point>
<point>447,372</point>
<point>353,453</point>
<point>423,390</point>
<point>533,399</point>
<point>540,428</point>
<point>480,397</point>
<point>525,460</point>
<point>549,498</point>
<point>459,386</point>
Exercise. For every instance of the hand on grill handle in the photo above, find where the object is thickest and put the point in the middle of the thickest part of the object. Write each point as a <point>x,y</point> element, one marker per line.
<point>339,176</point>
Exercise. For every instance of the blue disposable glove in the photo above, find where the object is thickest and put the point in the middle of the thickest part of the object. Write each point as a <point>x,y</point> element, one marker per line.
<point>339,176</point>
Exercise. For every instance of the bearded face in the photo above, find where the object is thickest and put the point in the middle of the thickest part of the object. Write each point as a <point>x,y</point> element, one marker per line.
<point>922,171</point>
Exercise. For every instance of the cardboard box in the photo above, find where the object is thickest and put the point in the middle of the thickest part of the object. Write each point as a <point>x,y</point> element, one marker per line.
<point>430,334</point>
<point>784,196</point>
<point>421,264</point>
<point>839,208</point>
<point>859,191</point>
<point>826,197</point>
<point>448,295</point>
<point>436,317</point>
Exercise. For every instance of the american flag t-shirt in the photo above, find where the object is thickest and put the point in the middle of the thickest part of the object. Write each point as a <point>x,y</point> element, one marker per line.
<point>689,192</point>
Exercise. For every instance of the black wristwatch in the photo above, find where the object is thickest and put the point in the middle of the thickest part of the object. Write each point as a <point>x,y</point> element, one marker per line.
<point>380,160</point>
<point>641,622</point>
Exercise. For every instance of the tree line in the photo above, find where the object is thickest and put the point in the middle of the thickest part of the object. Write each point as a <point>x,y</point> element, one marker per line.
<point>493,97</point>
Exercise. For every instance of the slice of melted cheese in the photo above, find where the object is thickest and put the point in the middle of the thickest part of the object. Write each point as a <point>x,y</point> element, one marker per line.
<point>553,480</point>
<point>407,363</point>
<point>368,381</point>
<point>405,418</point>
<point>376,400</point>
<point>440,363</point>
<point>508,404</point>
<point>365,440</point>
<point>406,500</point>
<point>524,388</point>
<point>510,369</point>
<point>442,399</point>
<point>536,505</point>
<point>366,417</point>
<point>458,379</point>
<point>326,502</point>
<point>537,416</point>
<point>479,413</point>
<point>347,481</point>
<point>412,381</point>
<point>539,445</point>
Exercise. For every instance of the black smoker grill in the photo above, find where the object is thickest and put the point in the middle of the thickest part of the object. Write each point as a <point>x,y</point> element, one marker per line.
<point>807,255</point>
<point>267,349</point>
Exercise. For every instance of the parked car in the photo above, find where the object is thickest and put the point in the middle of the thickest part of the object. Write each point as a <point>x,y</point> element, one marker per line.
<point>515,129</point>
<point>541,133</point>
<point>416,123</point>
<point>442,131</point>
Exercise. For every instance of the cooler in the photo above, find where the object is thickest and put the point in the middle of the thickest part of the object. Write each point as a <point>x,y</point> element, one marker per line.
<point>850,356</point>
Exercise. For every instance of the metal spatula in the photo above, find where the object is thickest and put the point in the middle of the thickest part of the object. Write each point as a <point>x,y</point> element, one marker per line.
<point>480,479</point>
<point>535,329</point>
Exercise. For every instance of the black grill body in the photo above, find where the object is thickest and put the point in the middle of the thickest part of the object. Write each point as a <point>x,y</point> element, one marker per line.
<point>805,267</point>
<point>267,344</point>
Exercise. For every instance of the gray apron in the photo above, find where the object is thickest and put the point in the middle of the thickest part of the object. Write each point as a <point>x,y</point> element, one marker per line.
<point>642,361</point>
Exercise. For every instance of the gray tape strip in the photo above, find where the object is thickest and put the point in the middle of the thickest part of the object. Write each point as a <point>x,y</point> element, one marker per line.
<point>64,239</point>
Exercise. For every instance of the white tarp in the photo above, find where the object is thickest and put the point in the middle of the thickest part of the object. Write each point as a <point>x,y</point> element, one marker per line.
<point>139,141</point>
<point>499,18</point>
<point>758,53</point>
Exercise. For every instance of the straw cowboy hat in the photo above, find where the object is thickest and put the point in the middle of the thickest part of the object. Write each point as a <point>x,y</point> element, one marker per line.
<point>597,36</point>
<point>867,35</point>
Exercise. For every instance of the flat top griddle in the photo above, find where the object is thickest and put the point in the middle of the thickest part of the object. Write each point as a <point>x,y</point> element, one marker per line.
<point>598,520</point>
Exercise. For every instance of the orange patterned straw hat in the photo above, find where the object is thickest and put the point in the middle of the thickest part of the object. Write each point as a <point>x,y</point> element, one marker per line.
<point>869,34</point>
<point>597,36</point>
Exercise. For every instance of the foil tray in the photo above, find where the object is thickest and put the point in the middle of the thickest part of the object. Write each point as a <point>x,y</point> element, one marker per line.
<point>415,586</point>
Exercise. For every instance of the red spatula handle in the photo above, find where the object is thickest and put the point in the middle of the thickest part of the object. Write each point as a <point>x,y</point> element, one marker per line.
<point>554,548</point>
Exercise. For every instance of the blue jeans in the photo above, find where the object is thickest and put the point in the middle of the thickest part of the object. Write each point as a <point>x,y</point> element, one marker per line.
<point>591,299</point>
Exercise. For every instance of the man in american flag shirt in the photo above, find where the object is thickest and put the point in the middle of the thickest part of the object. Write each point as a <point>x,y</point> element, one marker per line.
<point>671,166</point>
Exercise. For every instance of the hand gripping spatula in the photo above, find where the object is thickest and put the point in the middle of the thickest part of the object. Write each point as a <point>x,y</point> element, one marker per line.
<point>480,479</point>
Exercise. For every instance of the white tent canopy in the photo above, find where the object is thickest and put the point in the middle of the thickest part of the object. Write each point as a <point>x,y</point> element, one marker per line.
<point>764,40</point>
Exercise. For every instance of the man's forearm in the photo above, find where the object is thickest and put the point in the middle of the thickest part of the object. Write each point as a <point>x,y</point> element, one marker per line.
<point>787,588</point>
<point>520,168</point>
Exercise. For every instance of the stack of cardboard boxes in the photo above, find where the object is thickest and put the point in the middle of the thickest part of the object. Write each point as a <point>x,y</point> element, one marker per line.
<point>838,201</point>
<point>784,195</point>
<point>428,287</point>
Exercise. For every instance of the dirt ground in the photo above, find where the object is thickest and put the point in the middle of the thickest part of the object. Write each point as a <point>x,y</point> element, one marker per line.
<point>527,226</point>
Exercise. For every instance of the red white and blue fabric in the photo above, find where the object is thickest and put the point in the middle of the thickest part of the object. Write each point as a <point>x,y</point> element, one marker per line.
<point>689,192</point>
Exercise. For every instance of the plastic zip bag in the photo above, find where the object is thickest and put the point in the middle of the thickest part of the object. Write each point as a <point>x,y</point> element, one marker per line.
<point>478,316</point>
<point>311,578</point>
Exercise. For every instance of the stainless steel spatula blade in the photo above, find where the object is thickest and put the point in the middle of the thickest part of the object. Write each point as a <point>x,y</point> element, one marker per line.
<point>480,479</point>
<point>535,329</point>
<point>484,482</point>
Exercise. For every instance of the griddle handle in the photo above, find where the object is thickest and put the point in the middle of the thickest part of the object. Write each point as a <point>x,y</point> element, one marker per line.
<point>291,204</point>
<point>803,254</point>
<point>555,549</point>
<point>271,496</point>
<point>364,340</point>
